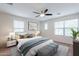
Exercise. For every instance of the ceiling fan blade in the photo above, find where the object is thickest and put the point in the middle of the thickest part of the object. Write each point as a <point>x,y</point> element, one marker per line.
<point>9,3</point>
<point>37,16</point>
<point>48,14</point>
<point>45,10</point>
<point>36,12</point>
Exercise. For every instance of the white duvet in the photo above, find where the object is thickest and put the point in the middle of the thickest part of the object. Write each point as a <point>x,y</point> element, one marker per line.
<point>32,51</point>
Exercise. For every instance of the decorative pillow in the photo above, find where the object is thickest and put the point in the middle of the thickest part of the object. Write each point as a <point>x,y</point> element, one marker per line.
<point>21,36</point>
<point>26,35</point>
<point>17,36</point>
<point>30,36</point>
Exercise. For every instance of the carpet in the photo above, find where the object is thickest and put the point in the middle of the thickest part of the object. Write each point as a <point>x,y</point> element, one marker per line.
<point>62,51</point>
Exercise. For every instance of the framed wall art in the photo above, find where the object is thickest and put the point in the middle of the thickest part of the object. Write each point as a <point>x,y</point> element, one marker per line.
<point>32,26</point>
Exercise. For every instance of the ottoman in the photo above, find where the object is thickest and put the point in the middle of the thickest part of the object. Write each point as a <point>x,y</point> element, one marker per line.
<point>48,50</point>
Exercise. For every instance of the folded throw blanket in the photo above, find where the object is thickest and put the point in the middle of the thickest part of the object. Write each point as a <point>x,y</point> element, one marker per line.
<point>30,44</point>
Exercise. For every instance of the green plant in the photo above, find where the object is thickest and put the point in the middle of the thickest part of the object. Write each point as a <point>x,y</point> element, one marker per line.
<point>74,33</point>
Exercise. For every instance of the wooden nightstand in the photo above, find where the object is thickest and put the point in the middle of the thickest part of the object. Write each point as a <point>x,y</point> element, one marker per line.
<point>76,48</point>
<point>11,43</point>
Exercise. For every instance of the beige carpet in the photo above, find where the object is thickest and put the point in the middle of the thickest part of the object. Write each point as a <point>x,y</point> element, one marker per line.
<point>62,51</point>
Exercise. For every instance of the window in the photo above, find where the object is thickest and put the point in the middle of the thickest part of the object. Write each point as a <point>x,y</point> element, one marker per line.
<point>63,27</point>
<point>18,26</point>
<point>70,24</point>
<point>45,26</point>
<point>59,28</point>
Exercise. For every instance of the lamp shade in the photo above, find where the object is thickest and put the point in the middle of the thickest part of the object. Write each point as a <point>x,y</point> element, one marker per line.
<point>12,35</point>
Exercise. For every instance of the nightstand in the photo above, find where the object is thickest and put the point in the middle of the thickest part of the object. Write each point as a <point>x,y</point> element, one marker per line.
<point>11,43</point>
<point>76,48</point>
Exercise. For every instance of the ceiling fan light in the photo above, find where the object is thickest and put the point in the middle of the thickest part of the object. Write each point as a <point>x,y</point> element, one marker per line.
<point>42,15</point>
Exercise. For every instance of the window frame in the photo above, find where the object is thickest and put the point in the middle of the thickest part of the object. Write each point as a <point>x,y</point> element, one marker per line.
<point>18,27</point>
<point>64,28</point>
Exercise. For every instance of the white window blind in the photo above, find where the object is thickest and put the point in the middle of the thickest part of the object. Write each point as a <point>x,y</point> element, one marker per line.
<point>64,27</point>
<point>18,26</point>
<point>46,26</point>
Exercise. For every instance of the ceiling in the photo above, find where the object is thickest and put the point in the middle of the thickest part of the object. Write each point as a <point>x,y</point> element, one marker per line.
<point>27,9</point>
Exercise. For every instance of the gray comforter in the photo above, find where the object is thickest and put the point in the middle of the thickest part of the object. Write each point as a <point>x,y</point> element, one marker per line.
<point>28,45</point>
<point>47,49</point>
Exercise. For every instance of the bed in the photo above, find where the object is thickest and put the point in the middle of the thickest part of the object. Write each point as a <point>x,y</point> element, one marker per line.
<point>37,46</point>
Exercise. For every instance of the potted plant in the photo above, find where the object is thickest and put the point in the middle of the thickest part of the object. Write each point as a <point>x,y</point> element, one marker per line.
<point>74,33</point>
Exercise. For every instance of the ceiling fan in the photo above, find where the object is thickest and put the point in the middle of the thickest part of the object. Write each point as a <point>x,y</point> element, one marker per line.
<point>43,13</point>
<point>10,4</point>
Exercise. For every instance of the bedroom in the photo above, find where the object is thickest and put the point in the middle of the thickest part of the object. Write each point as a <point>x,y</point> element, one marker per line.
<point>23,22</point>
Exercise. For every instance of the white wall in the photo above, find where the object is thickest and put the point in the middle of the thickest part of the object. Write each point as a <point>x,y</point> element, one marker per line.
<point>50,32</point>
<point>6,25</point>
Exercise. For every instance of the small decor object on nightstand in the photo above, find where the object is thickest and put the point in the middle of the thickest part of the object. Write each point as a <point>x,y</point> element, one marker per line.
<point>11,40</point>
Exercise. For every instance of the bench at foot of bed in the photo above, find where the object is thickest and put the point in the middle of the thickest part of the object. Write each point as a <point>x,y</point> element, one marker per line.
<point>48,50</point>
